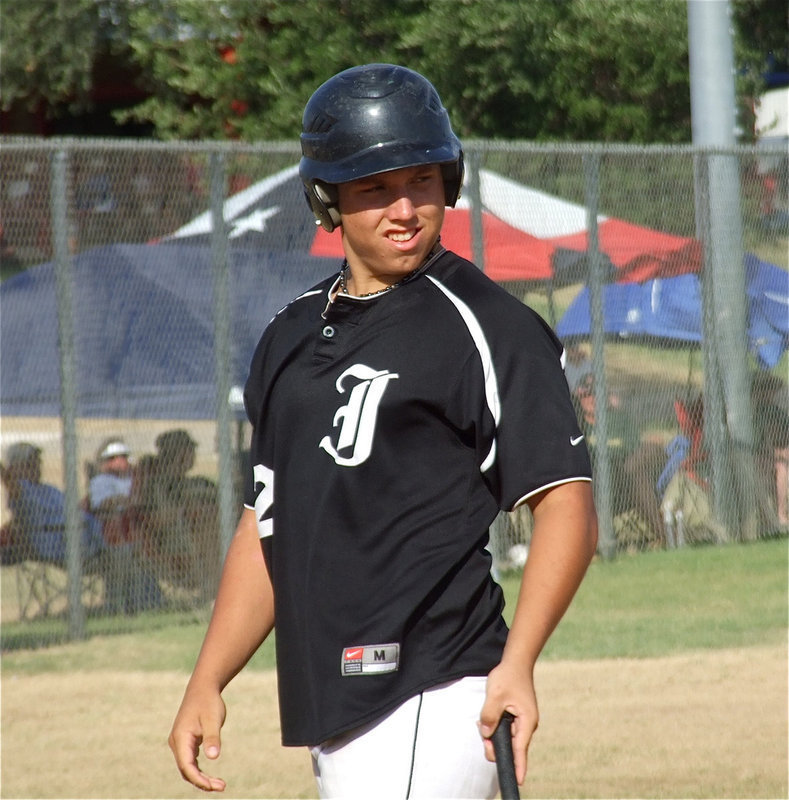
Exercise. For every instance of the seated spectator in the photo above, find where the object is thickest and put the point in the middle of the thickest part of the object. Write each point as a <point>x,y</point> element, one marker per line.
<point>684,484</point>
<point>622,437</point>
<point>577,365</point>
<point>770,404</point>
<point>109,489</point>
<point>686,450</point>
<point>38,510</point>
<point>37,530</point>
<point>686,502</point>
<point>177,514</point>
<point>635,465</point>
<point>108,500</point>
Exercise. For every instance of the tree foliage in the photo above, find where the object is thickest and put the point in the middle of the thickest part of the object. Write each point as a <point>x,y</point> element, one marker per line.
<point>245,68</point>
<point>622,76</point>
<point>543,69</point>
<point>762,44</point>
<point>49,50</point>
<point>490,62</point>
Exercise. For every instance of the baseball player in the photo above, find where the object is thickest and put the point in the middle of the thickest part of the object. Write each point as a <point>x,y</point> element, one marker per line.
<point>396,408</point>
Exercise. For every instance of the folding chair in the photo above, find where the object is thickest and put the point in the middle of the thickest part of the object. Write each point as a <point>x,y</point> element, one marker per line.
<point>686,506</point>
<point>42,585</point>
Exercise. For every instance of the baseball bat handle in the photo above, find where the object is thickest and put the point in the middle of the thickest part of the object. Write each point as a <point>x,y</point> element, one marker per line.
<point>505,764</point>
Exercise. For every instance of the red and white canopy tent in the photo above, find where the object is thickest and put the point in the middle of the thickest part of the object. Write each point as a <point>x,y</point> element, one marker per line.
<point>530,235</point>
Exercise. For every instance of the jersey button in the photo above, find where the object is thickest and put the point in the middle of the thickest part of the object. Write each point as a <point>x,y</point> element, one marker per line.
<point>328,331</point>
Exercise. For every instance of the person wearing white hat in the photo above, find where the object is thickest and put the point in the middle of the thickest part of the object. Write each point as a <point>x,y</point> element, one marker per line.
<point>135,588</point>
<point>110,487</point>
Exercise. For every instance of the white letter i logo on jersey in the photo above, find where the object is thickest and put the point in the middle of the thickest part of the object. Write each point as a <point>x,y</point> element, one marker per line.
<point>357,417</point>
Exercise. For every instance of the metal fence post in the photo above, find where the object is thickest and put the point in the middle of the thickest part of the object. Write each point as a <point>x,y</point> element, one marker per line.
<point>711,59</point>
<point>715,437</point>
<point>731,333</point>
<point>222,354</point>
<point>68,387</point>
<point>603,499</point>
<point>475,200</point>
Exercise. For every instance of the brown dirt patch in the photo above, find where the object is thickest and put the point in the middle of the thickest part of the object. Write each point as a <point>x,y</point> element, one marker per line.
<point>711,724</point>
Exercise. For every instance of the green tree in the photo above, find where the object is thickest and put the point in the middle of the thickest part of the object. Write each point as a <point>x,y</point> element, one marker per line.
<point>566,69</point>
<point>532,69</point>
<point>620,72</point>
<point>561,70</point>
<point>761,45</point>
<point>245,68</point>
<point>49,49</point>
<point>490,62</point>
<point>558,70</point>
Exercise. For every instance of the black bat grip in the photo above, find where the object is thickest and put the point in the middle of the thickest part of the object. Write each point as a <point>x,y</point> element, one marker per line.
<point>505,764</point>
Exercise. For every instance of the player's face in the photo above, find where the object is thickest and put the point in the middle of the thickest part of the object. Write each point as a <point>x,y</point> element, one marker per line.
<point>390,222</point>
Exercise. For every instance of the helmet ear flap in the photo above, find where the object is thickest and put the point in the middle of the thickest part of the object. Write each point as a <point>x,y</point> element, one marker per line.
<point>452,175</point>
<point>322,199</point>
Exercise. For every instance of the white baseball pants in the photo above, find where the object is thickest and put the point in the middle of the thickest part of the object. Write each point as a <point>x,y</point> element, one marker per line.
<point>429,747</point>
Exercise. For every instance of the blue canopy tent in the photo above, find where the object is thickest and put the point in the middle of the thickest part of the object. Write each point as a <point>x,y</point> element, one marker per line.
<point>671,309</point>
<point>144,332</point>
<point>144,314</point>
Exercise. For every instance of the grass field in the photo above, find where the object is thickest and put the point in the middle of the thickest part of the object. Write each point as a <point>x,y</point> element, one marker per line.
<point>673,601</point>
<point>667,678</point>
<point>652,604</point>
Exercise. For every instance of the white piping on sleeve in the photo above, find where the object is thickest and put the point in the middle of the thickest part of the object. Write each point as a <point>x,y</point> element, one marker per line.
<point>549,486</point>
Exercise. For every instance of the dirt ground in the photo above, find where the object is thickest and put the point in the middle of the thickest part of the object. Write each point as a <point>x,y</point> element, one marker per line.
<point>711,724</point>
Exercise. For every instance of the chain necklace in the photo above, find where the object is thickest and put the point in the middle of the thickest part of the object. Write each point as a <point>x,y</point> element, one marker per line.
<point>343,279</point>
<point>344,282</point>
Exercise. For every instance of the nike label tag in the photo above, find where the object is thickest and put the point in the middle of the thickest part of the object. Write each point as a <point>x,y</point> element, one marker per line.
<point>370,659</point>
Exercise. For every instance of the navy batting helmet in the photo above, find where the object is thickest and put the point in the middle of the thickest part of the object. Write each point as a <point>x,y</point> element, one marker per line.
<point>372,119</point>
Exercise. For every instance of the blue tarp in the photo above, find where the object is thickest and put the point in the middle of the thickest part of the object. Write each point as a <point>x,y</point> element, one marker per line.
<point>144,328</point>
<point>144,313</point>
<point>671,308</point>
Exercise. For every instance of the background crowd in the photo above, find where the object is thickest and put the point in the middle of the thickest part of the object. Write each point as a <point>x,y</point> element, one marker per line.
<point>149,528</point>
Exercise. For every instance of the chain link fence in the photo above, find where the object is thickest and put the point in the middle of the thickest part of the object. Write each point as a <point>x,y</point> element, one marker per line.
<point>129,320</point>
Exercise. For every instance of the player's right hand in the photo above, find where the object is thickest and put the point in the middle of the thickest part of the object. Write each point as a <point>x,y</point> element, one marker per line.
<point>198,721</point>
<point>510,687</point>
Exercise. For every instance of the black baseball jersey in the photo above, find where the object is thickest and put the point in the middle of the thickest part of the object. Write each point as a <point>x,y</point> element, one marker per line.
<point>387,433</point>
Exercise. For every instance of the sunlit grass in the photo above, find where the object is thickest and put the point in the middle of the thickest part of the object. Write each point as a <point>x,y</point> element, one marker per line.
<point>650,604</point>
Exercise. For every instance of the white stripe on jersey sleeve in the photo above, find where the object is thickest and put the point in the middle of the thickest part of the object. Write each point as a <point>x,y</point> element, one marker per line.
<point>549,486</point>
<point>488,370</point>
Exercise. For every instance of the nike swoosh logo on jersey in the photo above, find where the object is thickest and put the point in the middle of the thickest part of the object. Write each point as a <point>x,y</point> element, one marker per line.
<point>576,440</point>
<point>354,653</point>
